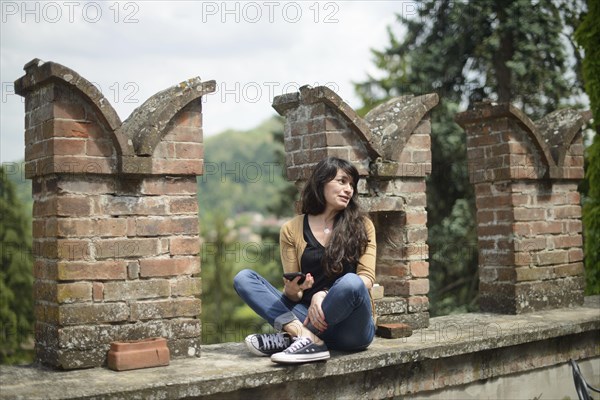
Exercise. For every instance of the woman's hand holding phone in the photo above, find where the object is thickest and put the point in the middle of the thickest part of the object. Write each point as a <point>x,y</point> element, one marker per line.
<point>297,281</point>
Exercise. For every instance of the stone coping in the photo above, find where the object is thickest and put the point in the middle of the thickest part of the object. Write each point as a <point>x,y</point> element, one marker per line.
<point>228,367</point>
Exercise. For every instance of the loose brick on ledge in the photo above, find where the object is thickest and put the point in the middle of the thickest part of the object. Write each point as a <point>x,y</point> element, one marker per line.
<point>393,331</point>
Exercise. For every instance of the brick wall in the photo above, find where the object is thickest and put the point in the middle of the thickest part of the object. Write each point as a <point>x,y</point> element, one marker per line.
<point>528,209</point>
<point>115,216</point>
<point>391,149</point>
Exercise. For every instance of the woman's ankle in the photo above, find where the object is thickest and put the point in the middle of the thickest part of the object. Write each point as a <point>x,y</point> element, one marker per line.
<point>297,329</point>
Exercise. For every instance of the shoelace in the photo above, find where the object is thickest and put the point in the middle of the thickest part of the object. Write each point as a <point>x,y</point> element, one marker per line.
<point>273,341</point>
<point>298,344</point>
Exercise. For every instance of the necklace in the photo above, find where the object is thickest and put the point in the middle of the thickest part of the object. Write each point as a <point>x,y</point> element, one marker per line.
<point>326,230</point>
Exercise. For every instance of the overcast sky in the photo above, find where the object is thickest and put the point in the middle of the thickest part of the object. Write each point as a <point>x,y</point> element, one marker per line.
<point>254,51</point>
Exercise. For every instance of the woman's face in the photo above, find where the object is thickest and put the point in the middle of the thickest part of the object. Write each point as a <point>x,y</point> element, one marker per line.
<point>338,191</point>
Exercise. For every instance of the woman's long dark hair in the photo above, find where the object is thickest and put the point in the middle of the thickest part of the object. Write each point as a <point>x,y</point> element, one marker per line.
<point>349,238</point>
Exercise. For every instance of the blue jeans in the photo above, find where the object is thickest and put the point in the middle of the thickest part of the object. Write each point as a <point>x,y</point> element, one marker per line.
<point>347,309</point>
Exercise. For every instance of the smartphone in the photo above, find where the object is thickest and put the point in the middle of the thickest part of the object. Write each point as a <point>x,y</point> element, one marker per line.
<point>290,276</point>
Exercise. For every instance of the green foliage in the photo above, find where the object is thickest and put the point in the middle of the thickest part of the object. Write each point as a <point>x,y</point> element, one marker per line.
<point>503,50</point>
<point>591,219</point>
<point>241,172</point>
<point>245,179</point>
<point>507,50</point>
<point>588,37</point>
<point>16,281</point>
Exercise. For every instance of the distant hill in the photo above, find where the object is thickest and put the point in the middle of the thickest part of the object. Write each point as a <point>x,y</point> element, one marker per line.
<point>244,171</point>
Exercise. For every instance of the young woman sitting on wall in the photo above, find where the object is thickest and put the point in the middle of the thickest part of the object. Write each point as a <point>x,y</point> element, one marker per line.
<point>332,244</point>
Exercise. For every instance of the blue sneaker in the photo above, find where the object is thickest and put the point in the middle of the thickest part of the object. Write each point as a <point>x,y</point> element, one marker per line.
<point>265,344</point>
<point>301,351</point>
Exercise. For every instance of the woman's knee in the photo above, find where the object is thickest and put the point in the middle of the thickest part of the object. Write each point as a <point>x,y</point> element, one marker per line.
<point>351,282</point>
<point>242,277</point>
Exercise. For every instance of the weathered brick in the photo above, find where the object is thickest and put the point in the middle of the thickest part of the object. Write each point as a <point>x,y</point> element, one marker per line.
<point>82,314</point>
<point>75,292</point>
<point>405,287</point>
<point>189,150</point>
<point>73,250</point>
<point>575,255</point>
<point>93,270</point>
<point>572,211</point>
<point>73,206</point>
<point>392,268</point>
<point>530,244</point>
<point>553,257</point>
<point>46,312</point>
<point>573,269</point>
<point>136,290</point>
<point>169,266</point>
<point>529,214</point>
<point>85,186</point>
<point>417,304</point>
<point>533,273</point>
<point>71,227</point>
<point>133,270</point>
<point>66,146</point>
<point>126,248</point>
<point>419,269</point>
<point>169,186</point>
<point>186,287</point>
<point>98,291</point>
<point>177,166</point>
<point>157,309</point>
<point>185,205</point>
<point>159,226</point>
<point>181,245</point>
<point>45,290</point>
<point>563,241</point>
<point>99,148</point>
<point>417,235</point>
<point>110,227</point>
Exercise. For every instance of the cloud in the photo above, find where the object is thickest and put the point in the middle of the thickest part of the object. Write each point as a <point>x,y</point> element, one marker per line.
<point>131,50</point>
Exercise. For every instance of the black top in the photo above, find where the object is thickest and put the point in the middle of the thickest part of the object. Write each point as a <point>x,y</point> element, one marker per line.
<point>311,263</point>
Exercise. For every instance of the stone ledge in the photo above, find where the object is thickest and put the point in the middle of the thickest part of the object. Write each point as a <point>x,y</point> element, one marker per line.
<point>490,342</point>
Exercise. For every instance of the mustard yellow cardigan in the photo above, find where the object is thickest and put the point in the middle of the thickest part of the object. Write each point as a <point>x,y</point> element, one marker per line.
<point>292,245</point>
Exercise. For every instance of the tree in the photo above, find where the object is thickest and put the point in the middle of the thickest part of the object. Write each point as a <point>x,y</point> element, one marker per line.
<point>503,50</point>
<point>588,37</point>
<point>16,281</point>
